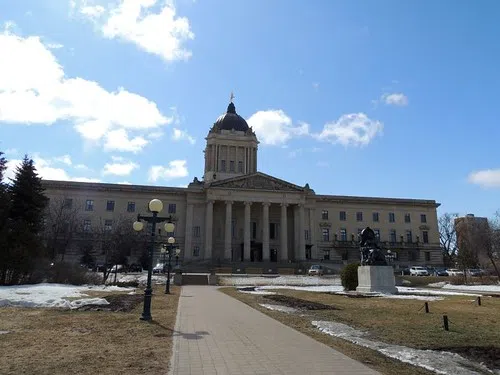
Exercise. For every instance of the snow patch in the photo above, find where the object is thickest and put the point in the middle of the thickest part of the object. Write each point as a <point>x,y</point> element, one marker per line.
<point>4,332</point>
<point>437,361</point>
<point>474,288</point>
<point>257,292</point>
<point>294,280</point>
<point>53,295</point>
<point>281,308</point>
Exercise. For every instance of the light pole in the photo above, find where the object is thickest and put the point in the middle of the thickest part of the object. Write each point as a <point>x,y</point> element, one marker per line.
<point>171,241</point>
<point>155,206</point>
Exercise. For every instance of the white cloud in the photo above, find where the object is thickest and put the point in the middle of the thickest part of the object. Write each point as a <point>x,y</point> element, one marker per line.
<point>11,151</point>
<point>31,77</point>
<point>274,127</point>
<point>119,167</point>
<point>118,140</point>
<point>179,134</point>
<point>156,135</point>
<point>488,178</point>
<point>398,99</point>
<point>46,170</point>
<point>54,45</point>
<point>81,166</point>
<point>65,159</point>
<point>175,169</point>
<point>354,129</point>
<point>151,25</point>
<point>124,183</point>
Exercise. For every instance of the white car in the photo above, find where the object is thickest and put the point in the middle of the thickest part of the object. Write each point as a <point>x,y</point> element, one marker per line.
<point>418,271</point>
<point>455,272</point>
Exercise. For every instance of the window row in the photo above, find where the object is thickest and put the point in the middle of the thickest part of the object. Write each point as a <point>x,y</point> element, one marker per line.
<point>110,205</point>
<point>342,236</point>
<point>231,166</point>
<point>413,255</point>
<point>375,216</point>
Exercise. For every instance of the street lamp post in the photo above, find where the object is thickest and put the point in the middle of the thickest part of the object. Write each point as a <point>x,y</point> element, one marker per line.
<point>155,206</point>
<point>171,241</point>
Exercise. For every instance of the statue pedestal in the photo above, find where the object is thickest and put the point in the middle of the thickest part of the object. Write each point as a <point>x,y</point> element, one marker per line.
<point>376,279</point>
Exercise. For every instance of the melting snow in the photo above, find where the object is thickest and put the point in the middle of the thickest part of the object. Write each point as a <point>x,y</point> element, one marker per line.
<point>52,295</point>
<point>4,332</point>
<point>280,280</point>
<point>285,309</point>
<point>437,361</point>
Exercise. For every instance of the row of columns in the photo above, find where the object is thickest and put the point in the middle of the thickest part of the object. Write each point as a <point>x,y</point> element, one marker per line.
<point>247,235</point>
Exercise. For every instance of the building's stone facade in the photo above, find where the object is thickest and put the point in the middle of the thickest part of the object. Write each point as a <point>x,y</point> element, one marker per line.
<point>237,214</point>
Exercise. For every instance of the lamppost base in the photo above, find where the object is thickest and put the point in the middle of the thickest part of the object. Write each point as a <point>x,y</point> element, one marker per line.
<point>146,318</point>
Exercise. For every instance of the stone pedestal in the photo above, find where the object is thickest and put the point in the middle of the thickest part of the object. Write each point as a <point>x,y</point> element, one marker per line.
<point>376,279</point>
<point>178,278</point>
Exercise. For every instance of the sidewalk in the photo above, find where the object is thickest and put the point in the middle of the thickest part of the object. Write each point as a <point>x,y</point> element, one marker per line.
<point>216,334</point>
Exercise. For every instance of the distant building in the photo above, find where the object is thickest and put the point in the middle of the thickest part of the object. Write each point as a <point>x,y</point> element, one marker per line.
<point>238,214</point>
<point>472,231</point>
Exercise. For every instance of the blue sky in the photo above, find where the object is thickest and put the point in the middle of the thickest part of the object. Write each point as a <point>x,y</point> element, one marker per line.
<point>370,98</point>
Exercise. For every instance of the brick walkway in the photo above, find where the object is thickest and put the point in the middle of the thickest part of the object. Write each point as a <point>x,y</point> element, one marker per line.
<point>216,334</point>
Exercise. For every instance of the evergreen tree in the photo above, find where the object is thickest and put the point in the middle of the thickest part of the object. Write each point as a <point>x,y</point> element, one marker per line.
<point>4,213</point>
<point>27,205</point>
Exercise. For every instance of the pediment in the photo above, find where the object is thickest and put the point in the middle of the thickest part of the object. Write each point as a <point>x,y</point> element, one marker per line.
<point>257,181</point>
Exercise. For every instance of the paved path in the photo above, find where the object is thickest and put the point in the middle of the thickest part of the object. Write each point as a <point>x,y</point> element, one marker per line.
<point>216,334</point>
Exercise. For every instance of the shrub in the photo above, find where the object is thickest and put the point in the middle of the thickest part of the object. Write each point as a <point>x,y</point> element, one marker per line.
<point>64,273</point>
<point>349,276</point>
<point>126,284</point>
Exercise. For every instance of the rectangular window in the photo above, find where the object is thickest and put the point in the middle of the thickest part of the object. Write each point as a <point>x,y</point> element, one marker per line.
<point>412,255</point>
<point>345,255</point>
<point>306,234</point>
<point>172,208</point>
<point>425,236</point>
<point>326,254</point>
<point>427,256</point>
<point>254,230</point>
<point>326,234</point>
<point>273,230</point>
<point>86,225</point>
<point>423,218</point>
<point>342,216</point>
<point>223,165</point>
<point>375,217</point>
<point>392,235</point>
<point>308,253</point>
<point>131,207</point>
<point>409,237</point>
<point>110,205</point>
<point>343,234</point>
<point>324,215</point>
<point>377,233</point>
<point>231,166</point>
<point>392,217</point>
<point>240,167</point>
<point>196,231</point>
<point>68,203</point>
<point>196,251</point>
<point>108,225</point>
<point>359,216</point>
<point>407,218</point>
<point>89,205</point>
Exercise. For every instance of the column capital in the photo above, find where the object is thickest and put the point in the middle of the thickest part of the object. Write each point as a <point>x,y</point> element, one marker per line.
<point>228,202</point>
<point>266,204</point>
<point>284,204</point>
<point>210,201</point>
<point>247,203</point>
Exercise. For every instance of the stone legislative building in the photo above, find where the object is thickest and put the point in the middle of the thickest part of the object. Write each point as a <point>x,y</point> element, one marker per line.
<point>237,214</point>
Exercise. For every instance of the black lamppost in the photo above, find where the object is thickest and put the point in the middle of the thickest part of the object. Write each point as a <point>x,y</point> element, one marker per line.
<point>155,206</point>
<point>170,241</point>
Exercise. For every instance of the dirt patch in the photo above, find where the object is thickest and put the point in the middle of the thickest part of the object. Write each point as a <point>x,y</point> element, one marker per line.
<point>117,303</point>
<point>488,355</point>
<point>299,303</point>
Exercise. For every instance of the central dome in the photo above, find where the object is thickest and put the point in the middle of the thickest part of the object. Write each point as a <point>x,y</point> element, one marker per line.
<point>231,120</point>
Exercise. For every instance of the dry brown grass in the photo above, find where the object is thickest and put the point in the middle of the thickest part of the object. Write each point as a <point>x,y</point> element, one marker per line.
<point>51,341</point>
<point>396,321</point>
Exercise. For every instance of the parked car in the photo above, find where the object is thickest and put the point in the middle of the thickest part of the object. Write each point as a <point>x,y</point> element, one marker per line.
<point>419,271</point>
<point>476,272</point>
<point>405,271</point>
<point>135,268</point>
<point>315,270</point>
<point>118,268</point>
<point>159,268</point>
<point>454,272</point>
<point>440,272</point>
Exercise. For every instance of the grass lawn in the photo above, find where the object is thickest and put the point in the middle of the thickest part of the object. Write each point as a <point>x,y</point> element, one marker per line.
<point>474,330</point>
<point>54,341</point>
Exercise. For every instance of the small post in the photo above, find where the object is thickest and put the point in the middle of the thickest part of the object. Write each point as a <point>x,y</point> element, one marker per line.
<point>426,307</point>
<point>479,301</point>
<point>445,321</point>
